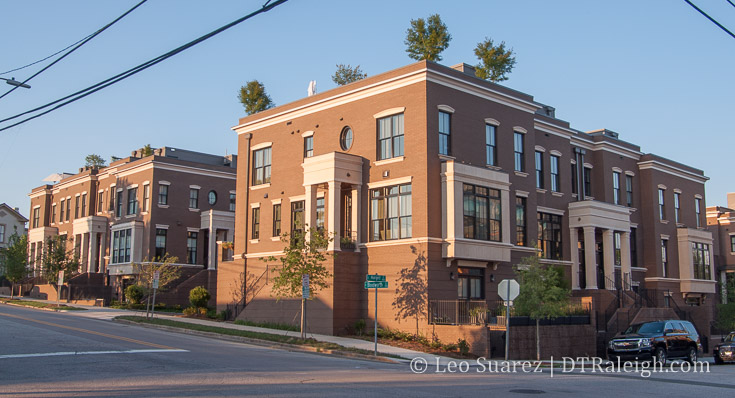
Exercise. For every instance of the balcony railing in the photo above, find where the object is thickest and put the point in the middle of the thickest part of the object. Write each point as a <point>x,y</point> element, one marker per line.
<point>487,312</point>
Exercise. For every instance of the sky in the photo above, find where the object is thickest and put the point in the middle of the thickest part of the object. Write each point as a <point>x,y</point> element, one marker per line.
<point>656,71</point>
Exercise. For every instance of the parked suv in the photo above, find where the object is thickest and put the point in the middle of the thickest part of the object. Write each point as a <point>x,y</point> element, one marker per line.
<point>660,340</point>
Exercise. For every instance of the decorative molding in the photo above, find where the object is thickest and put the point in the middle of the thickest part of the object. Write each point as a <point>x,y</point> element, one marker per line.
<point>393,181</point>
<point>307,133</point>
<point>519,129</point>
<point>388,161</point>
<point>261,146</point>
<point>492,122</point>
<point>445,108</point>
<point>389,112</point>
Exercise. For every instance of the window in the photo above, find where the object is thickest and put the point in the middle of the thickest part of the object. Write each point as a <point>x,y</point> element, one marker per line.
<point>616,187</point>
<point>84,205</point>
<point>53,213</point>
<point>100,202</point>
<point>661,214</point>
<point>262,166</point>
<point>701,261</point>
<point>732,243</point>
<point>549,236</point>
<point>309,146</point>
<point>520,221</point>
<point>277,220</point>
<point>119,208</point>
<point>616,249</point>
<point>482,215</point>
<point>664,257</point>
<point>163,194</point>
<point>255,231</point>
<point>191,247</point>
<point>698,211</point>
<point>68,208</point>
<point>61,210</point>
<point>212,198</point>
<point>574,178</point>
<point>232,201</point>
<point>2,233</point>
<point>539,156</point>
<point>193,198</point>
<point>390,137</point>
<point>390,213</point>
<point>555,180</point>
<point>587,178</point>
<point>320,214</point>
<point>633,247</point>
<point>161,243</point>
<point>491,149</point>
<point>36,217</point>
<point>297,217</point>
<point>345,139</point>
<point>677,206</point>
<point>76,207</point>
<point>629,190</point>
<point>518,151</point>
<point>121,241</point>
<point>132,201</point>
<point>444,133</point>
<point>470,283</point>
<point>146,196</point>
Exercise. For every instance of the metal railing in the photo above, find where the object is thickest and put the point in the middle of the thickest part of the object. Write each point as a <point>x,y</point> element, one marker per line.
<point>487,312</point>
<point>348,240</point>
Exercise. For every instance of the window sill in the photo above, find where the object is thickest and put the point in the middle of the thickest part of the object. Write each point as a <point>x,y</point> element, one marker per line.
<point>679,225</point>
<point>493,167</point>
<point>520,174</point>
<point>194,210</point>
<point>261,186</point>
<point>389,161</point>
<point>558,194</point>
<point>254,240</point>
<point>446,157</point>
<point>276,239</point>
<point>664,221</point>
<point>540,190</point>
<point>163,206</point>
<point>589,198</point>
<point>130,215</point>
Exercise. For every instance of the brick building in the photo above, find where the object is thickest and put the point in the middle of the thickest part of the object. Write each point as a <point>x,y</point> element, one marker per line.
<point>720,223</point>
<point>443,181</point>
<point>138,209</point>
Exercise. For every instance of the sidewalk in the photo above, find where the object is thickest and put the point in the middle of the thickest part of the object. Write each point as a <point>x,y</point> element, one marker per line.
<point>108,314</point>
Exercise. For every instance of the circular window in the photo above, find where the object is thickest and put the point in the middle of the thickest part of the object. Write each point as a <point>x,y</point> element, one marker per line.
<point>212,197</point>
<point>345,139</point>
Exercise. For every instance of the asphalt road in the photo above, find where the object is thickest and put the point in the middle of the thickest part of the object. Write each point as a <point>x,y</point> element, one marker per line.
<point>64,355</point>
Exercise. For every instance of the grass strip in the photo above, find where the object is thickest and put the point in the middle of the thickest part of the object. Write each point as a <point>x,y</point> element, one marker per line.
<point>39,304</point>
<point>268,325</point>
<point>320,345</point>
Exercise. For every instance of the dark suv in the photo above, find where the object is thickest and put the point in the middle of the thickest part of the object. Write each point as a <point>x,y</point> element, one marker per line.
<point>660,340</point>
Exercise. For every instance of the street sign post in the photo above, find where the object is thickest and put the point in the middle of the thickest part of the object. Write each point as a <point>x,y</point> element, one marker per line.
<point>59,283</point>
<point>304,297</point>
<point>156,278</point>
<point>376,282</point>
<point>508,290</point>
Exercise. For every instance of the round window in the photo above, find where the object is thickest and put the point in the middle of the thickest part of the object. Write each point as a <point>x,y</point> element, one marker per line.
<point>212,197</point>
<point>345,138</point>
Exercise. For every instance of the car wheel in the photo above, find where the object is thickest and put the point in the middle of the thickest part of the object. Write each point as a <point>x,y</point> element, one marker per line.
<point>692,355</point>
<point>718,360</point>
<point>660,355</point>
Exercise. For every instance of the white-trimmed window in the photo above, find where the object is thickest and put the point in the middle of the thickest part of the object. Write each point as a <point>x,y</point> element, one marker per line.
<point>309,146</point>
<point>491,149</point>
<point>255,232</point>
<point>100,201</point>
<point>482,215</point>
<point>62,208</point>
<point>390,137</point>
<point>84,205</point>
<point>629,190</point>
<point>132,201</point>
<point>193,198</point>
<point>701,261</point>
<point>119,206</point>
<point>661,207</point>
<point>146,196</point>
<point>445,133</point>
<point>162,194</point>
<point>262,166</point>
<point>121,241</point>
<point>539,160</point>
<point>664,257</point>
<point>616,187</point>
<point>698,211</point>
<point>191,247</point>
<point>232,201</point>
<point>677,207</point>
<point>53,213</point>
<point>555,178</point>
<point>390,213</point>
<point>518,152</point>
<point>36,217</point>
<point>2,233</point>
<point>161,237</point>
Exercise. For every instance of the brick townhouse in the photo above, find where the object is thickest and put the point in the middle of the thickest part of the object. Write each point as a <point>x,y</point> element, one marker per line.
<point>138,209</point>
<point>443,181</point>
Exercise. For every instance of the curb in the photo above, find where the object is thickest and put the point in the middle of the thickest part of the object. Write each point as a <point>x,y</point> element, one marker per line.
<point>38,308</point>
<point>263,343</point>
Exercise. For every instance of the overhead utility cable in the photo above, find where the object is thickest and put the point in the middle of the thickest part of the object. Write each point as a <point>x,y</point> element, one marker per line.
<point>710,18</point>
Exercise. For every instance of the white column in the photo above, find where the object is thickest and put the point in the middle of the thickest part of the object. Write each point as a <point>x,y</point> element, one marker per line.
<point>309,210</point>
<point>92,252</point>
<point>574,242</point>
<point>333,215</point>
<point>101,255</point>
<point>625,271</point>
<point>590,261</point>
<point>608,256</point>
<point>356,199</point>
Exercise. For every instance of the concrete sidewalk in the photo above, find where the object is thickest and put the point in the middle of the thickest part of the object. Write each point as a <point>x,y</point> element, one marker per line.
<point>108,314</point>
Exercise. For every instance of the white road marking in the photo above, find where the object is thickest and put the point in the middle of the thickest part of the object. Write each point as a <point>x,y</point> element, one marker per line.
<point>64,353</point>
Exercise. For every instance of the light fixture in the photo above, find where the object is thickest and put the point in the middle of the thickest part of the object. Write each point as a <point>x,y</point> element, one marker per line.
<point>492,277</point>
<point>451,276</point>
<point>14,82</point>
<point>265,195</point>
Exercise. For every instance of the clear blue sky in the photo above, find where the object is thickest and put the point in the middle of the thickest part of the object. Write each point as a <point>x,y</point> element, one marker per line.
<point>655,71</point>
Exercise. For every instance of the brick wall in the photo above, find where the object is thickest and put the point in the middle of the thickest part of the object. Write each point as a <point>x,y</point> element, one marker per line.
<point>475,335</point>
<point>555,340</point>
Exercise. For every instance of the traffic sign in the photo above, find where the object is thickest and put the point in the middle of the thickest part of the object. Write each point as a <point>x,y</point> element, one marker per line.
<point>376,285</point>
<point>60,277</point>
<point>156,277</point>
<point>375,278</point>
<point>508,289</point>
<point>305,286</point>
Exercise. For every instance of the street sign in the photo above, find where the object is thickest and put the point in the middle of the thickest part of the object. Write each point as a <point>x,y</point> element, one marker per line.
<point>508,289</point>
<point>61,277</point>
<point>156,277</point>
<point>376,285</point>
<point>305,286</point>
<point>375,278</point>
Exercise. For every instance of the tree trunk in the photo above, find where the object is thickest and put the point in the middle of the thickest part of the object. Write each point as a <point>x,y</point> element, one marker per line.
<point>303,318</point>
<point>12,287</point>
<point>538,345</point>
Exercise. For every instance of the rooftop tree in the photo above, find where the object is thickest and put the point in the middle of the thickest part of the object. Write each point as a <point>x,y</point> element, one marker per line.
<point>495,61</point>
<point>94,161</point>
<point>427,38</point>
<point>254,98</point>
<point>346,74</point>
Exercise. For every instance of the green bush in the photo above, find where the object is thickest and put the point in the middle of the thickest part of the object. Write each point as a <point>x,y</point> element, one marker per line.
<point>134,294</point>
<point>463,346</point>
<point>191,311</point>
<point>359,327</point>
<point>436,344</point>
<point>199,297</point>
<point>726,316</point>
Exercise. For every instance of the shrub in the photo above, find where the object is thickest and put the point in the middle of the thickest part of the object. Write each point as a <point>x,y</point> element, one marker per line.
<point>463,346</point>
<point>134,293</point>
<point>436,344</point>
<point>199,297</point>
<point>359,327</point>
<point>190,311</point>
<point>211,313</point>
<point>449,347</point>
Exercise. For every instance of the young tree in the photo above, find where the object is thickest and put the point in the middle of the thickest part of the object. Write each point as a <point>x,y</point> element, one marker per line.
<point>15,258</point>
<point>254,98</point>
<point>543,294</point>
<point>168,272</point>
<point>426,39</point>
<point>57,258</point>
<point>147,150</point>
<point>346,74</point>
<point>94,161</point>
<point>301,257</point>
<point>495,61</point>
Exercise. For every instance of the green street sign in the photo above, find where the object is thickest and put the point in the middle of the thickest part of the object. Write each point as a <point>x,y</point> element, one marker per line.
<point>377,285</point>
<point>375,278</point>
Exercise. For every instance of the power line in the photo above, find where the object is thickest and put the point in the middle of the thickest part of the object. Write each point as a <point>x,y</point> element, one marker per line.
<point>710,18</point>
<point>41,60</point>
<point>731,3</point>
<point>124,75</point>
<point>84,41</point>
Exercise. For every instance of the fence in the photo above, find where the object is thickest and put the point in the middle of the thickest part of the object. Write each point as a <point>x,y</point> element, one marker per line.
<point>493,312</point>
